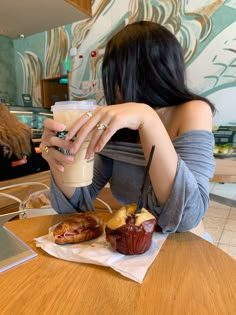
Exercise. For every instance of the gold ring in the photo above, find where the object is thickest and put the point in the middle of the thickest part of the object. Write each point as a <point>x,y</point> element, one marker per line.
<point>101,127</point>
<point>89,114</point>
<point>46,149</point>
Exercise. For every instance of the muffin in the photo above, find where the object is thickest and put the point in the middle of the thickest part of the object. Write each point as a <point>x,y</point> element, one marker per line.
<point>129,233</point>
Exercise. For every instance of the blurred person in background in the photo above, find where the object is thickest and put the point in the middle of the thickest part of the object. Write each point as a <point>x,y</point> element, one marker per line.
<point>17,153</point>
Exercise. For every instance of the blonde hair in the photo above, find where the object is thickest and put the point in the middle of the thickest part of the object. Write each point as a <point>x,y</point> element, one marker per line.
<point>14,135</point>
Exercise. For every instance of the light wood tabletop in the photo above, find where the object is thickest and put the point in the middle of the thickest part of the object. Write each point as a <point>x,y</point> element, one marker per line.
<point>23,192</point>
<point>42,177</point>
<point>189,276</point>
<point>225,171</point>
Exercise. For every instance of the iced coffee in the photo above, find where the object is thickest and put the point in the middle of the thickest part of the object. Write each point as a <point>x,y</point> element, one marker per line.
<point>80,172</point>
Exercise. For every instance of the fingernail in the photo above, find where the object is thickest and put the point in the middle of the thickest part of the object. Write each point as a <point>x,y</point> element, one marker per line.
<point>97,148</point>
<point>61,168</point>
<point>87,156</point>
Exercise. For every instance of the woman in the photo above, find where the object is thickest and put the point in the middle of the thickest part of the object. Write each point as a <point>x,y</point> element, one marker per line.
<point>149,104</point>
<point>17,153</point>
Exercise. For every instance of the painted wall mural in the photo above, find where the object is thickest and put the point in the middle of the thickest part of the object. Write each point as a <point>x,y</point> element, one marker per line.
<point>7,71</point>
<point>206,30</point>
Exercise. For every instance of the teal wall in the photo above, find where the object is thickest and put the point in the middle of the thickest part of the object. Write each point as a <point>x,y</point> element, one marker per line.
<point>8,86</point>
<point>206,30</point>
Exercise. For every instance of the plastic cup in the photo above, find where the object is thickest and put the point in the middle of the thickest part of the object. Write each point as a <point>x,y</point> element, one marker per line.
<point>80,172</point>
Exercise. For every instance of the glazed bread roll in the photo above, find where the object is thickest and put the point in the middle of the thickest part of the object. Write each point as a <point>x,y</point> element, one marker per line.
<point>130,233</point>
<point>78,228</point>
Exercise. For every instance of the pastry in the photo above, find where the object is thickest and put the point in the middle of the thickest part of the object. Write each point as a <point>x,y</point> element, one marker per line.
<point>130,233</point>
<point>78,228</point>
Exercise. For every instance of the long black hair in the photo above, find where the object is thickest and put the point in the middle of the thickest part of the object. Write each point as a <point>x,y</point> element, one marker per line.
<point>145,63</point>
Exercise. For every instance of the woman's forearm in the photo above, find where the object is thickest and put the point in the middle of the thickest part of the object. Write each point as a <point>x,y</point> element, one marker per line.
<point>164,164</point>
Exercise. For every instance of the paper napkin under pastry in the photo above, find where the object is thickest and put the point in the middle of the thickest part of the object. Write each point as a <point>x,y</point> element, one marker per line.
<point>99,252</point>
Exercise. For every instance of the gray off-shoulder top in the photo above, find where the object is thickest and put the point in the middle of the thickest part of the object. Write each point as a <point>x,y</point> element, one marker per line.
<point>123,166</point>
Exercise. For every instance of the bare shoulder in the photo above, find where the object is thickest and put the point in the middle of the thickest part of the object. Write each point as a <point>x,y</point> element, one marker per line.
<point>194,115</point>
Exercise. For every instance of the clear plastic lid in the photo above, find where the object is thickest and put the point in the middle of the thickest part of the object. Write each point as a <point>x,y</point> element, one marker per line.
<point>73,105</point>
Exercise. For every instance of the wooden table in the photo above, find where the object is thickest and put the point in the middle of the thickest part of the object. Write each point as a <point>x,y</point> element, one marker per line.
<point>225,171</point>
<point>43,177</point>
<point>189,276</point>
<point>21,192</point>
<point>8,205</point>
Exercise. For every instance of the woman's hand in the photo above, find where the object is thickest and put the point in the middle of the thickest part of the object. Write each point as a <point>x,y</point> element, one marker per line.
<point>105,121</point>
<point>50,144</point>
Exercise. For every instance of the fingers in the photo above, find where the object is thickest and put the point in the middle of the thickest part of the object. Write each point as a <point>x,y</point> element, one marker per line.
<point>50,143</point>
<point>55,158</point>
<point>100,136</point>
<point>98,128</point>
<point>79,123</point>
<point>82,128</point>
<point>100,124</point>
<point>53,125</point>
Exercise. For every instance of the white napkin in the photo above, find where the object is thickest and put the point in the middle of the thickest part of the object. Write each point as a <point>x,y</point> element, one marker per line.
<point>99,252</point>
